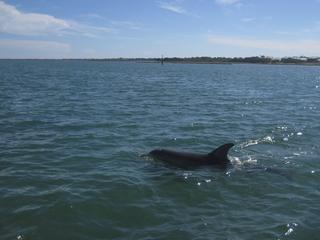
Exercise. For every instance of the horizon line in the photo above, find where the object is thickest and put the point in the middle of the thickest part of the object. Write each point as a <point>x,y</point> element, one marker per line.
<point>133,58</point>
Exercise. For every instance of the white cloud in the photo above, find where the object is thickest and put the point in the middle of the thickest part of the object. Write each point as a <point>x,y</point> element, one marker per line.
<point>313,29</point>
<point>33,49</point>
<point>88,30</point>
<point>172,7</point>
<point>279,32</point>
<point>94,16</point>
<point>33,44</point>
<point>16,22</point>
<point>247,20</point>
<point>127,25</point>
<point>292,47</point>
<point>227,2</point>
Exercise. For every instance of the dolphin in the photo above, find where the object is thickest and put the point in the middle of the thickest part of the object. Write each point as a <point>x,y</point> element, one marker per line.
<point>218,157</point>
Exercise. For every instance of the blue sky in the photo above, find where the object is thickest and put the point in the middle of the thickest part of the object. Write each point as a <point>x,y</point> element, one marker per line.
<point>150,28</point>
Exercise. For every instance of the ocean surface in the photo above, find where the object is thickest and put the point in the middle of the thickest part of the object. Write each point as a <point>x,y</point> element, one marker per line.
<point>74,137</point>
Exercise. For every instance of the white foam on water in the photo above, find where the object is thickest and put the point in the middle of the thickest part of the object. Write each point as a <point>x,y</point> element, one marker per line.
<point>250,160</point>
<point>266,139</point>
<point>235,160</point>
<point>186,175</point>
<point>290,227</point>
<point>237,163</point>
<point>250,143</point>
<point>290,230</point>
<point>283,127</point>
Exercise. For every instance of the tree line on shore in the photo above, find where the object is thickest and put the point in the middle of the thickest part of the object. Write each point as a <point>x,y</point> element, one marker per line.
<point>223,60</point>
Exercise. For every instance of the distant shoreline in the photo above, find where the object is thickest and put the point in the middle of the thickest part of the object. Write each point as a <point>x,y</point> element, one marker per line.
<point>304,61</point>
<point>309,61</point>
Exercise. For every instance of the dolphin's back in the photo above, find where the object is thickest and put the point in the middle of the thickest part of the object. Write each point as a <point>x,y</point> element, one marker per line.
<point>185,159</point>
<point>220,154</point>
<point>181,159</point>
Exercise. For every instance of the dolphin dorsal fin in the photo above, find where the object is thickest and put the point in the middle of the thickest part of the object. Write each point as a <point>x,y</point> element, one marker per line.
<point>221,152</point>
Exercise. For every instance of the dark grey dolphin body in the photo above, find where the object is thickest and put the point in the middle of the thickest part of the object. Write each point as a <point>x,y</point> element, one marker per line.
<point>218,157</point>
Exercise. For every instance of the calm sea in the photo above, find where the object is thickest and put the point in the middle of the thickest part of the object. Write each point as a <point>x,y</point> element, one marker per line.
<point>73,135</point>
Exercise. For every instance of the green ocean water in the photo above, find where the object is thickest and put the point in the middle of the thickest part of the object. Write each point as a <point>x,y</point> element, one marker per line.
<point>73,135</point>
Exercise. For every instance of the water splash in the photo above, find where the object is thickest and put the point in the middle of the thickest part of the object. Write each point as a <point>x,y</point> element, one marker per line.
<point>285,133</point>
<point>238,164</point>
<point>250,160</point>
<point>266,139</point>
<point>186,175</point>
<point>291,227</point>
